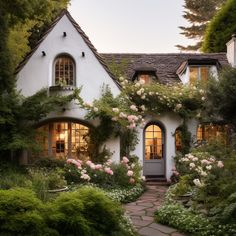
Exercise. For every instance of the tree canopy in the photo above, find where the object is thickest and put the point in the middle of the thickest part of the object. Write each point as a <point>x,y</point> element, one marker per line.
<point>198,13</point>
<point>220,29</point>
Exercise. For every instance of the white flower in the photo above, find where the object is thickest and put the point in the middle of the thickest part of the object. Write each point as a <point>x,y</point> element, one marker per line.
<point>134,108</point>
<point>143,97</point>
<point>209,167</point>
<point>201,91</point>
<point>203,98</point>
<point>116,110</point>
<point>95,109</point>
<point>137,85</point>
<point>143,108</point>
<point>122,115</point>
<point>192,165</point>
<point>178,106</point>
<point>203,173</point>
<point>198,183</point>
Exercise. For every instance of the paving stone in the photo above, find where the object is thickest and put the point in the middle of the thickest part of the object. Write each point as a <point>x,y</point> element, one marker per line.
<point>146,204</point>
<point>135,208</point>
<point>141,222</point>
<point>146,231</point>
<point>163,228</point>
<point>136,217</point>
<point>138,213</point>
<point>147,218</point>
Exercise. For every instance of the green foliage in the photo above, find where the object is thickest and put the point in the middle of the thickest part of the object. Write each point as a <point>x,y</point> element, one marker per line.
<point>128,141</point>
<point>20,213</point>
<point>156,98</point>
<point>117,69</point>
<point>125,195</point>
<point>19,115</point>
<point>220,29</point>
<point>198,13</point>
<point>187,221</point>
<point>49,163</point>
<point>185,138</point>
<point>46,179</point>
<point>221,97</point>
<point>85,212</point>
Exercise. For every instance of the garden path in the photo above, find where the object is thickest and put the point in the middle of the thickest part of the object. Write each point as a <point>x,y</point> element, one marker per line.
<point>142,211</point>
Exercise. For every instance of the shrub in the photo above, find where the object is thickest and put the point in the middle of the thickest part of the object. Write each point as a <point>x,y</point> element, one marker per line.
<point>44,179</point>
<point>20,213</point>
<point>108,174</point>
<point>86,212</point>
<point>13,179</point>
<point>49,162</point>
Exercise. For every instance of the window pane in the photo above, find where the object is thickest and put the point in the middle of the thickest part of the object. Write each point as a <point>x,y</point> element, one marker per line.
<point>204,73</point>
<point>193,71</point>
<point>64,71</point>
<point>153,142</point>
<point>67,139</point>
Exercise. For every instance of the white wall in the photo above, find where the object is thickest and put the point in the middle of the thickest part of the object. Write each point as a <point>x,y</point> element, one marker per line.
<point>38,72</point>
<point>231,51</point>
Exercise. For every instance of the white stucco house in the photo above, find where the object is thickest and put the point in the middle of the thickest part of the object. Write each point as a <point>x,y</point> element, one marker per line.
<point>66,55</point>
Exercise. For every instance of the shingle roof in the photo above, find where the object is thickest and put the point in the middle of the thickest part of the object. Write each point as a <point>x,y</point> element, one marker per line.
<point>166,65</point>
<point>83,35</point>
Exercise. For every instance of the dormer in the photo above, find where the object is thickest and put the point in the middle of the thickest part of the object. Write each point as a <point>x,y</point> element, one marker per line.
<point>196,70</point>
<point>147,74</point>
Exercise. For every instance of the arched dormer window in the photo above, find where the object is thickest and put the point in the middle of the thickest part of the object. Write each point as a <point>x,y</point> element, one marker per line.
<point>64,71</point>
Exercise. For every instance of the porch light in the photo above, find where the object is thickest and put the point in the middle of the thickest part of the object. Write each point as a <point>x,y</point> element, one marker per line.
<point>64,34</point>
<point>43,53</point>
<point>83,54</point>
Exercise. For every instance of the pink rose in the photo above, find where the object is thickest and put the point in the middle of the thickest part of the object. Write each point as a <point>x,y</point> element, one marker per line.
<point>125,160</point>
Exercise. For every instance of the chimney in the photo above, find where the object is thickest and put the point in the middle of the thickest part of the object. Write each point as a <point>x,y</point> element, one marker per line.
<point>231,50</point>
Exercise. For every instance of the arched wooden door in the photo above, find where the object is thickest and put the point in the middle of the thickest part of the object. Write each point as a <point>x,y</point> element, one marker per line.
<point>154,161</point>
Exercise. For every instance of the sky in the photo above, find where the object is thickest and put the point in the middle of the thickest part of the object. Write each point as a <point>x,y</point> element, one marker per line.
<point>131,26</point>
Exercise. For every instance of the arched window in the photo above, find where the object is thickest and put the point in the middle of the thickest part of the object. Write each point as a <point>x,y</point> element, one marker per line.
<point>154,141</point>
<point>64,69</point>
<point>64,139</point>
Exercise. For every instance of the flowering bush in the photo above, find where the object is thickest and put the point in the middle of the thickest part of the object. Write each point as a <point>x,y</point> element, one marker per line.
<point>184,100</point>
<point>108,174</point>
<point>199,166</point>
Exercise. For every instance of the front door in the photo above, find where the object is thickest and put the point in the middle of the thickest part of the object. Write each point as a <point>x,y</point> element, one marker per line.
<point>154,162</point>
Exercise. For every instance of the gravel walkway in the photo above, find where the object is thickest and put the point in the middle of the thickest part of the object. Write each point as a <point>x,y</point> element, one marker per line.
<point>142,211</point>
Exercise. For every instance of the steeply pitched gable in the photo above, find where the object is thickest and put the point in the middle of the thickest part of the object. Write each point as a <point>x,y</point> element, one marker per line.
<point>82,34</point>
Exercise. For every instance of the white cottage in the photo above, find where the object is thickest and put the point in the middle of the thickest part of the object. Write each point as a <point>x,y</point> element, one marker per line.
<point>65,56</point>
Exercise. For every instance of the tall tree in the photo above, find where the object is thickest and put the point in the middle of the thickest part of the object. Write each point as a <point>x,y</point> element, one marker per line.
<point>220,29</point>
<point>198,13</point>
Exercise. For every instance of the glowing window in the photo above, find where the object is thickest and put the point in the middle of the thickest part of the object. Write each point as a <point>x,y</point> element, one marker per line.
<point>199,73</point>
<point>64,139</point>
<point>64,71</point>
<point>153,142</point>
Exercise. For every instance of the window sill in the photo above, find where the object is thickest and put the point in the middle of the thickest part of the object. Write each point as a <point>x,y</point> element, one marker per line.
<point>62,88</point>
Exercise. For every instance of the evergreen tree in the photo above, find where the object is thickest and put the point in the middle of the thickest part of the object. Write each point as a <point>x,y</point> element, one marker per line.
<point>220,29</point>
<point>198,13</point>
